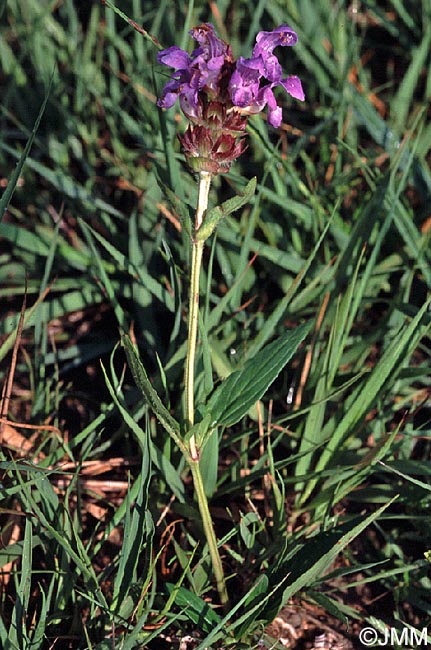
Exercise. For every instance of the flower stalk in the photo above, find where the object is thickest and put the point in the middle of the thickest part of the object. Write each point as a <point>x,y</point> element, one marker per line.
<point>189,381</point>
<point>197,250</point>
<point>189,375</point>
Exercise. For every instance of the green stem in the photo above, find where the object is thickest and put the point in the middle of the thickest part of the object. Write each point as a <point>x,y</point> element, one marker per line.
<point>193,458</point>
<point>189,377</point>
<point>197,250</point>
<point>209,531</point>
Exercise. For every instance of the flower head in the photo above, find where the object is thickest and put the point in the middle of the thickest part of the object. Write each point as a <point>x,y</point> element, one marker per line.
<point>217,93</point>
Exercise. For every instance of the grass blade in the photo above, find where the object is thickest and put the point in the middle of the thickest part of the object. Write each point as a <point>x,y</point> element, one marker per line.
<point>7,194</point>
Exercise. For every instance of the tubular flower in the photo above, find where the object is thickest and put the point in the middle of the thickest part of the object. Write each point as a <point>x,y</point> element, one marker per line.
<point>196,75</point>
<point>217,93</point>
<point>247,85</point>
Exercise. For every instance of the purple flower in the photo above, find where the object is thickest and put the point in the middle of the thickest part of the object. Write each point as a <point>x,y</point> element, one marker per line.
<point>267,41</point>
<point>217,94</point>
<point>246,87</point>
<point>196,72</point>
<point>211,56</point>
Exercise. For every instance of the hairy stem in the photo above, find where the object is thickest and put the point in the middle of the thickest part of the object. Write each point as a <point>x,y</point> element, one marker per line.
<point>189,378</point>
<point>197,250</point>
<point>193,458</point>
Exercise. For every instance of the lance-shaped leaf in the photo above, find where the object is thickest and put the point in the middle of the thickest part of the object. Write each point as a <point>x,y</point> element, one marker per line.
<point>312,560</point>
<point>213,216</point>
<point>143,383</point>
<point>237,394</point>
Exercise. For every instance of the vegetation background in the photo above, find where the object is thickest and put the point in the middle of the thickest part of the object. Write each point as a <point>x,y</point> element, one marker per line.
<point>321,495</point>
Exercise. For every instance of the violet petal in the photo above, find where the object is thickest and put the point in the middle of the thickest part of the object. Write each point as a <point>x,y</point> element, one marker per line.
<point>267,41</point>
<point>293,86</point>
<point>174,57</point>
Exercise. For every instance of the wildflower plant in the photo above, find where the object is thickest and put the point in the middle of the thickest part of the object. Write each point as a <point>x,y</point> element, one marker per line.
<point>341,227</point>
<point>217,94</point>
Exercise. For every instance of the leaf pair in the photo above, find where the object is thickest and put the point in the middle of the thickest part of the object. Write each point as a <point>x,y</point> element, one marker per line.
<point>233,398</point>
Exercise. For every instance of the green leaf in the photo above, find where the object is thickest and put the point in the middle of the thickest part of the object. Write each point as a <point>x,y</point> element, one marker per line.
<point>143,383</point>
<point>18,633</point>
<point>78,556</point>
<point>63,183</point>
<point>248,526</point>
<point>28,319</point>
<point>168,471</point>
<point>182,209</point>
<point>138,534</point>
<point>385,370</point>
<point>209,463</point>
<point>222,630</point>
<point>257,596</point>
<point>406,89</point>
<point>25,239</point>
<point>147,282</point>
<point>104,276</point>
<point>330,605</point>
<point>314,558</point>
<point>160,461</point>
<point>415,481</point>
<point>243,388</point>
<point>280,309</point>
<point>196,609</point>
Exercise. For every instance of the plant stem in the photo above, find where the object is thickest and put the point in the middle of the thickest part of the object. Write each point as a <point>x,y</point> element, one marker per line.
<point>197,250</point>
<point>209,531</point>
<point>189,378</point>
<point>193,457</point>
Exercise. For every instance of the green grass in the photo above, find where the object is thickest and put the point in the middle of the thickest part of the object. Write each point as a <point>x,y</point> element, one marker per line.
<point>320,493</point>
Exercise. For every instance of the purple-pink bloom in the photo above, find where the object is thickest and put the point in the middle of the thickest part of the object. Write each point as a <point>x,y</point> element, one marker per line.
<point>194,72</point>
<point>210,56</point>
<point>245,80</point>
<point>247,84</point>
<point>217,94</point>
<point>267,41</point>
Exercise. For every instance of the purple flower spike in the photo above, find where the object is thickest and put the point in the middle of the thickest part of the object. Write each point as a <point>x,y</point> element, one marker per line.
<point>217,93</point>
